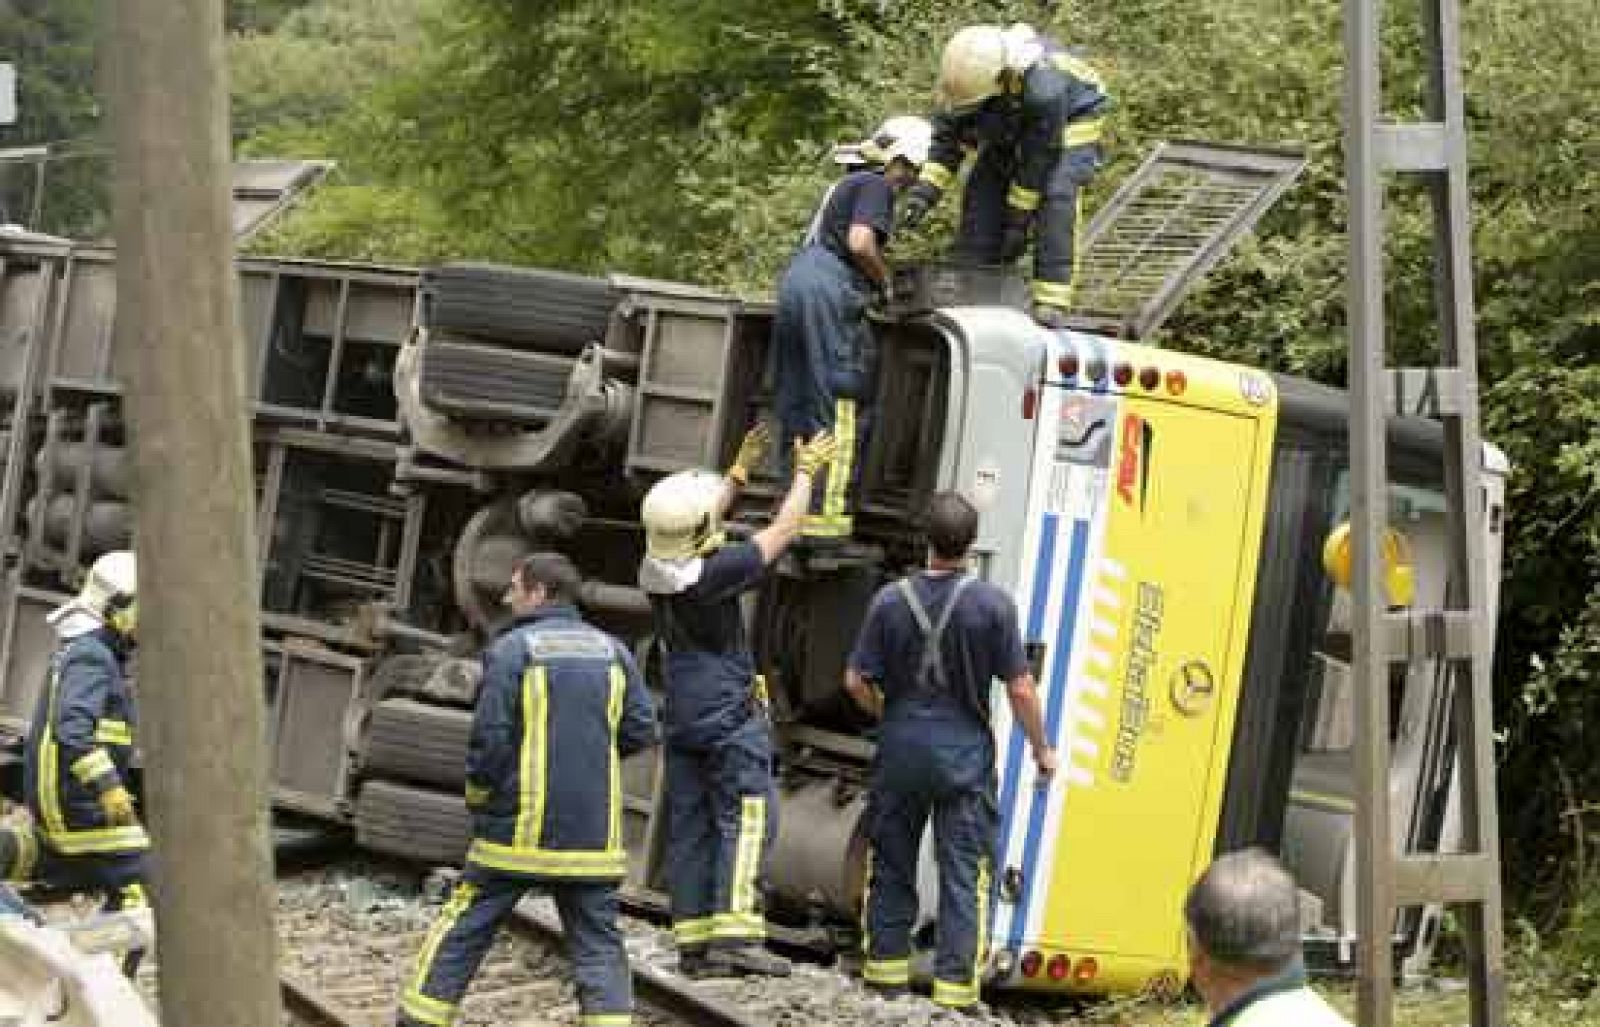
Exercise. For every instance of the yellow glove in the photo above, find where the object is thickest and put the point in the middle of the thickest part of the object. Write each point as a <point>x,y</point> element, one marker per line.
<point>477,795</point>
<point>751,450</point>
<point>117,805</point>
<point>811,457</point>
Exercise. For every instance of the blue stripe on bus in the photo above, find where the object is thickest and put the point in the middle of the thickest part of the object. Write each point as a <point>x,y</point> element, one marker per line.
<point>1039,802</point>
<point>1042,568</point>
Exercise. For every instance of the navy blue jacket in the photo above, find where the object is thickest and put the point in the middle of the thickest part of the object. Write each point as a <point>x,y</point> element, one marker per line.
<point>1056,104</point>
<point>560,705</point>
<point>80,745</point>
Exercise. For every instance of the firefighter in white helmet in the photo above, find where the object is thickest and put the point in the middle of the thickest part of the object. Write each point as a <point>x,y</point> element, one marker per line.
<point>821,339</point>
<point>1034,113</point>
<point>717,762</point>
<point>86,833</point>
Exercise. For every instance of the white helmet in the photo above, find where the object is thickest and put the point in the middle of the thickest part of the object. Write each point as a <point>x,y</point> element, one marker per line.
<point>110,592</point>
<point>975,59</point>
<point>905,136</point>
<point>680,515</point>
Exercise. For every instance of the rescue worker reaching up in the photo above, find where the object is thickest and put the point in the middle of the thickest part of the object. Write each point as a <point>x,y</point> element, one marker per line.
<point>929,651</point>
<point>821,338</point>
<point>717,770</point>
<point>1034,114</point>
<point>86,834</point>
<point>560,705</point>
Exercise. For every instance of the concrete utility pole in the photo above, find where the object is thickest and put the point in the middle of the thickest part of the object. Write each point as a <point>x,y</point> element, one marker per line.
<point>179,352</point>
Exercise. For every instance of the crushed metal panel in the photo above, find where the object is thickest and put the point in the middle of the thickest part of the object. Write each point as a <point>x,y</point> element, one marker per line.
<point>1181,212</point>
<point>315,720</point>
<point>263,189</point>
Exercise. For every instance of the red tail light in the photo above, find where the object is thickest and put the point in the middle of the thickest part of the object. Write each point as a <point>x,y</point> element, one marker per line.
<point>1059,965</point>
<point>1122,374</point>
<point>1086,969</point>
<point>1149,378</point>
<point>1068,365</point>
<point>1030,403</point>
<point>1031,964</point>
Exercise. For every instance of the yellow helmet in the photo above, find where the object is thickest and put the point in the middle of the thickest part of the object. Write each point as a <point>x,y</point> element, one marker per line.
<point>976,59</point>
<point>1399,578</point>
<point>681,516</point>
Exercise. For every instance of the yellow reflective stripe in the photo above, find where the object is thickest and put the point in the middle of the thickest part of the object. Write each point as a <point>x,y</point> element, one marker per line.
<point>91,765</point>
<point>866,905</point>
<point>548,862</point>
<point>1077,67</point>
<point>738,926</point>
<point>818,526</point>
<point>531,772</point>
<point>747,853</point>
<point>605,1019</point>
<point>691,932</point>
<point>886,971</point>
<point>936,175</point>
<point>413,1002</point>
<point>1022,199</point>
<point>100,839</point>
<point>956,995</point>
<point>1082,133</point>
<point>980,953</point>
<point>476,794</point>
<point>844,430</point>
<point>50,765</point>
<point>619,685</point>
<point>113,732</point>
<point>134,897</point>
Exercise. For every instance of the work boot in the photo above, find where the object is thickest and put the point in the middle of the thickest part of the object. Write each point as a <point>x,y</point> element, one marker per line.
<point>749,960</point>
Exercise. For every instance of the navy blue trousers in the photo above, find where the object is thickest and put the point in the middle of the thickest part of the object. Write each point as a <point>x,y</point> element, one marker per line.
<point>721,819</point>
<point>465,929</point>
<point>954,785</point>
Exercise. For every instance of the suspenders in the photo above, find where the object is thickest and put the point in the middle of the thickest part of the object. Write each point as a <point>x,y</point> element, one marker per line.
<point>930,673</point>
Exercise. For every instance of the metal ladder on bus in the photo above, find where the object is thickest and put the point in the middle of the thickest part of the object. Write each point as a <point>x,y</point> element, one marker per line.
<point>1460,633</point>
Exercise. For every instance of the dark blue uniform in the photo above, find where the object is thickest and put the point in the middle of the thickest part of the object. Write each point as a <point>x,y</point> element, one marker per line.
<point>822,343</point>
<point>721,814</point>
<point>1038,144</point>
<point>935,757</point>
<point>561,704</point>
<point>80,745</point>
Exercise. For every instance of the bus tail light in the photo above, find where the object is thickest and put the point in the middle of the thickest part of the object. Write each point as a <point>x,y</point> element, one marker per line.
<point>1177,381</point>
<point>1030,403</point>
<point>1031,964</point>
<point>1068,365</point>
<point>1059,965</point>
<point>1122,374</point>
<point>1149,379</point>
<point>1086,969</point>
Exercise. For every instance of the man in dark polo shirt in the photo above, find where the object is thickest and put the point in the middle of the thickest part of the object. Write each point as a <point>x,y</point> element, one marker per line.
<point>929,653</point>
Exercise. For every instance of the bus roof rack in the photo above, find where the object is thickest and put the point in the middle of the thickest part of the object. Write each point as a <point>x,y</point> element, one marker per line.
<point>1183,210</point>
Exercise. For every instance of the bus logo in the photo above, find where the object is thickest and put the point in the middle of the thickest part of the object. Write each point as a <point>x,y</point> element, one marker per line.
<point>1133,463</point>
<point>1193,686</point>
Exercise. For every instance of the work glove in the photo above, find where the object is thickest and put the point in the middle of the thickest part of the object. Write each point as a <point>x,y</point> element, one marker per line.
<point>811,457</point>
<point>1014,236</point>
<point>920,199</point>
<point>751,450</point>
<point>117,805</point>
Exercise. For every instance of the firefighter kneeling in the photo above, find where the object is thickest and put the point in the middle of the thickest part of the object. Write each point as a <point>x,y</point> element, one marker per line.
<point>561,704</point>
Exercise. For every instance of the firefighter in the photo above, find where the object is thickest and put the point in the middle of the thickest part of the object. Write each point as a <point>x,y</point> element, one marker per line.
<point>717,768</point>
<point>1243,917</point>
<point>560,705</point>
<point>822,343</point>
<point>1034,114</point>
<point>930,648</point>
<point>85,834</point>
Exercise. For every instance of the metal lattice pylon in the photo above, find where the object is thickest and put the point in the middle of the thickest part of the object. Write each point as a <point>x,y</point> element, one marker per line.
<point>1461,633</point>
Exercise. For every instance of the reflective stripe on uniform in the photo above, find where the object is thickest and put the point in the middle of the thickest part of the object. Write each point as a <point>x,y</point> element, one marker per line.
<point>844,430</point>
<point>1020,198</point>
<point>531,769</point>
<point>936,175</point>
<point>605,1019</point>
<point>980,953</point>
<point>1082,133</point>
<point>619,687</point>
<point>738,926</point>
<point>92,765</point>
<point>692,932</point>
<point>819,526</point>
<point>50,765</point>
<point>113,732</point>
<point>477,795</point>
<point>97,840</point>
<point>954,995</point>
<point>413,1002</point>
<point>886,971</point>
<point>747,854</point>
<point>1077,67</point>
<point>548,862</point>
